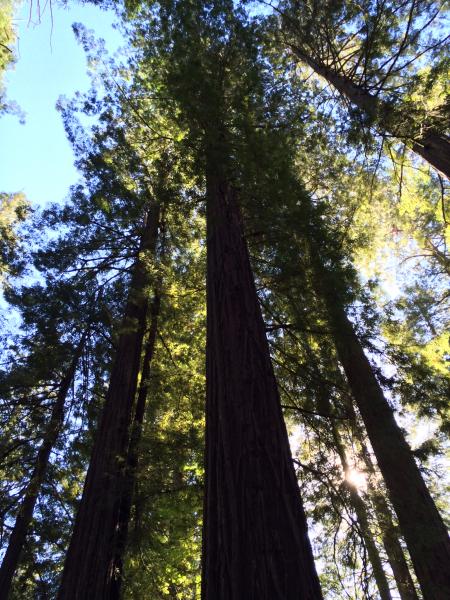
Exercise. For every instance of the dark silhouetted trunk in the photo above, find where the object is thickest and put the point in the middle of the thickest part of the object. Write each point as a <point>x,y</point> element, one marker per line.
<point>432,146</point>
<point>133,450</point>
<point>389,530</point>
<point>363,521</point>
<point>421,524</point>
<point>255,540</point>
<point>89,567</point>
<point>26,509</point>
<point>394,550</point>
<point>390,535</point>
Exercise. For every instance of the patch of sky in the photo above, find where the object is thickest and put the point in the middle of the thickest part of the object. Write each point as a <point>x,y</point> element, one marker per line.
<point>36,157</point>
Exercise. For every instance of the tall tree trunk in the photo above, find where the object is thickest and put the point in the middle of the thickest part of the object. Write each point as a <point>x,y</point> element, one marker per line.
<point>394,550</point>
<point>356,501</point>
<point>421,524</point>
<point>389,532</point>
<point>432,146</point>
<point>25,513</point>
<point>132,457</point>
<point>89,566</point>
<point>255,540</point>
<point>363,521</point>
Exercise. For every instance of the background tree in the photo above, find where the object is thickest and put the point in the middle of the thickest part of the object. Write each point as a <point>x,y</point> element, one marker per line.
<point>215,97</point>
<point>372,55</point>
<point>14,209</point>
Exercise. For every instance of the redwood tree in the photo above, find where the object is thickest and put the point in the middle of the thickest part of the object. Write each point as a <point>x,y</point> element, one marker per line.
<point>255,537</point>
<point>89,566</point>
<point>255,542</point>
<point>372,55</point>
<point>422,526</point>
<point>31,492</point>
<point>307,245</point>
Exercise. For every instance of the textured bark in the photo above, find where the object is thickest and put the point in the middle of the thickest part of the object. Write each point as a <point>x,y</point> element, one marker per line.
<point>363,522</point>
<point>372,550</point>
<point>255,541</point>
<point>394,550</point>
<point>432,146</point>
<point>25,514</point>
<point>132,457</point>
<point>390,534</point>
<point>421,524</point>
<point>435,149</point>
<point>89,567</point>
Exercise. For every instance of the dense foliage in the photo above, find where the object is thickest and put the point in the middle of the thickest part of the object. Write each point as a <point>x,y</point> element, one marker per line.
<point>331,202</point>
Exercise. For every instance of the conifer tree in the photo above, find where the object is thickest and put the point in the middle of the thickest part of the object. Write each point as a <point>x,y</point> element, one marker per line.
<point>38,387</point>
<point>14,209</point>
<point>254,537</point>
<point>407,489</point>
<point>245,413</point>
<point>389,531</point>
<point>89,565</point>
<point>414,505</point>
<point>367,55</point>
<point>429,545</point>
<point>210,128</point>
<point>25,512</point>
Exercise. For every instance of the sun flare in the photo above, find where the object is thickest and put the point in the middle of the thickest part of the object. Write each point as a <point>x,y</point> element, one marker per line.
<point>356,478</point>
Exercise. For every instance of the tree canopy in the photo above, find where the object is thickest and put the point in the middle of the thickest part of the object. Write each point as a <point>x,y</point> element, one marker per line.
<point>246,191</point>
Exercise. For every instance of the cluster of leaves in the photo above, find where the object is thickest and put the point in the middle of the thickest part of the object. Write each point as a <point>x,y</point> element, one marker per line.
<point>7,43</point>
<point>395,52</point>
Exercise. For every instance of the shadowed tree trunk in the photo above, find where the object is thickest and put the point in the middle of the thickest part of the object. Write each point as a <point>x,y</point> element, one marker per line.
<point>421,524</point>
<point>255,541</point>
<point>389,532</point>
<point>132,457</point>
<point>26,509</point>
<point>394,550</point>
<point>432,146</point>
<point>363,520</point>
<point>89,570</point>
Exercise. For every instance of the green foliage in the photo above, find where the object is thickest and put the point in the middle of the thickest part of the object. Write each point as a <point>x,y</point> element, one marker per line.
<point>380,48</point>
<point>14,209</point>
<point>165,541</point>
<point>301,180</point>
<point>7,42</point>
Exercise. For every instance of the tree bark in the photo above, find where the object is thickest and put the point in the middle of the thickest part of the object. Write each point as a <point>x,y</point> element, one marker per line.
<point>390,535</point>
<point>89,570</point>
<point>421,524</point>
<point>394,550</point>
<point>25,514</point>
<point>432,146</point>
<point>255,541</point>
<point>133,456</point>
<point>363,521</point>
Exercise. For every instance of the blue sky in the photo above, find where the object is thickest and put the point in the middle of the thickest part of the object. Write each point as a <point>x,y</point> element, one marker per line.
<point>36,158</point>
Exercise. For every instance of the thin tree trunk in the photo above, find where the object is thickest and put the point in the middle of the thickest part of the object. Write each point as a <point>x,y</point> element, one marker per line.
<point>25,513</point>
<point>394,550</point>
<point>421,524</point>
<point>389,531</point>
<point>133,456</point>
<point>255,540</point>
<point>89,566</point>
<point>363,521</point>
<point>432,146</point>
<point>391,542</point>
